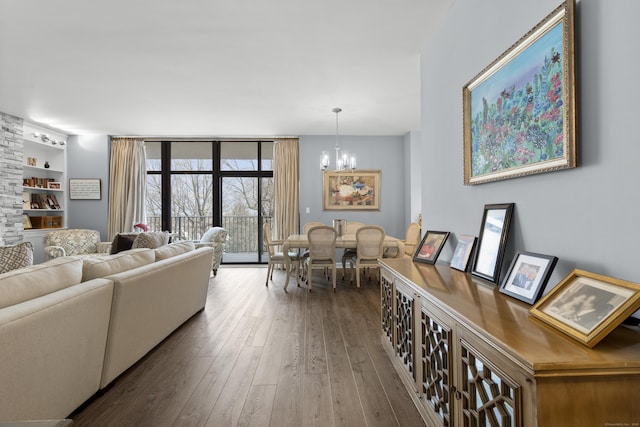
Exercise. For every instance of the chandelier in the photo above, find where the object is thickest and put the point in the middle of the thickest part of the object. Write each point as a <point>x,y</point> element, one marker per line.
<point>344,159</point>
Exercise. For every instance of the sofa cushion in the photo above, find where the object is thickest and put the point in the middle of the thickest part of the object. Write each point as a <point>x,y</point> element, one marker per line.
<point>15,256</point>
<point>173,249</point>
<point>101,266</point>
<point>151,240</point>
<point>41,279</point>
<point>123,242</point>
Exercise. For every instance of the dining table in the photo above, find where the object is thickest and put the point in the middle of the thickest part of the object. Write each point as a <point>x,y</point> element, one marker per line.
<point>346,241</point>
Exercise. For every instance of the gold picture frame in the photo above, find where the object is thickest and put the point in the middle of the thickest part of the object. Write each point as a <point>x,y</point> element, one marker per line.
<point>351,190</point>
<point>520,111</point>
<point>587,306</point>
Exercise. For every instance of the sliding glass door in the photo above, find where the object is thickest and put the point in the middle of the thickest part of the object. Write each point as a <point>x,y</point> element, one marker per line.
<point>194,185</point>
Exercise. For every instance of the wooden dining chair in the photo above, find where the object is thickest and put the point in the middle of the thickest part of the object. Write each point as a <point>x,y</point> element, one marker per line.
<point>369,247</point>
<point>277,257</point>
<point>305,254</point>
<point>411,241</point>
<point>322,251</point>
<point>352,228</point>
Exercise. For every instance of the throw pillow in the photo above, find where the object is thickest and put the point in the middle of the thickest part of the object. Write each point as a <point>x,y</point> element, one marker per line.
<point>174,249</point>
<point>16,256</point>
<point>151,240</point>
<point>123,242</point>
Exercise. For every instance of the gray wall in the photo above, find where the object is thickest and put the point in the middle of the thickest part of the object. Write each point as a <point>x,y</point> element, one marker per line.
<point>385,153</point>
<point>88,157</point>
<point>587,216</point>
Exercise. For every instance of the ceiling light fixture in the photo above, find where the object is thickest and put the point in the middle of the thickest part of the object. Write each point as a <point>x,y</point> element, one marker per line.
<point>344,160</point>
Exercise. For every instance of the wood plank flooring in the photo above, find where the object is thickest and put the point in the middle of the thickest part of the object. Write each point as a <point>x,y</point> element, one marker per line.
<point>257,356</point>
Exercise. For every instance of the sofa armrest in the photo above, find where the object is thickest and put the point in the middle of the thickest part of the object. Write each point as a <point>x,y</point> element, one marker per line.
<point>54,251</point>
<point>103,247</point>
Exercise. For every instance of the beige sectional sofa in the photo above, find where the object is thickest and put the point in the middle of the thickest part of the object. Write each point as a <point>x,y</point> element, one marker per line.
<point>70,326</point>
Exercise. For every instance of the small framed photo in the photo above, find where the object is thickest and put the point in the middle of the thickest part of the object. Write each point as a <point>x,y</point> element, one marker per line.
<point>492,242</point>
<point>587,306</point>
<point>430,247</point>
<point>54,185</point>
<point>527,276</point>
<point>462,253</point>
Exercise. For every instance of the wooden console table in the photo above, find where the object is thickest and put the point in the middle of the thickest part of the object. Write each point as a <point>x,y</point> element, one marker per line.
<point>471,356</point>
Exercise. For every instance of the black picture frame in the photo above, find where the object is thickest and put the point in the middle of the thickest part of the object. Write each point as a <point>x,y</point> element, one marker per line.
<point>430,246</point>
<point>462,253</point>
<point>492,241</point>
<point>527,276</point>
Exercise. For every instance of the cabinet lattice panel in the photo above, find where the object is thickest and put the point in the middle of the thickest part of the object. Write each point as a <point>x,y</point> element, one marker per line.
<point>488,398</point>
<point>404,330</point>
<point>436,380</point>
<point>387,309</point>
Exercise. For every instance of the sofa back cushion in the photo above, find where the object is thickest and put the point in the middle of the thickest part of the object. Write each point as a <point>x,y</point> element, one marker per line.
<point>74,241</point>
<point>15,256</point>
<point>101,266</point>
<point>151,240</point>
<point>173,249</point>
<point>34,281</point>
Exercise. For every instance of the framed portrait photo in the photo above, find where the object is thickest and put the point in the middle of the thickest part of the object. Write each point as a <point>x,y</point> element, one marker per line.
<point>527,276</point>
<point>492,242</point>
<point>430,247</point>
<point>520,111</point>
<point>587,306</point>
<point>462,253</point>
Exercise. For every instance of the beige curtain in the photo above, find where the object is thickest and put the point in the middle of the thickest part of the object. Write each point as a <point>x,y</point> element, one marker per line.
<point>286,188</point>
<point>127,185</point>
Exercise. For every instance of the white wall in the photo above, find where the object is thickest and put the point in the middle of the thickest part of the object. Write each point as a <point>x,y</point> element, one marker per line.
<point>587,216</point>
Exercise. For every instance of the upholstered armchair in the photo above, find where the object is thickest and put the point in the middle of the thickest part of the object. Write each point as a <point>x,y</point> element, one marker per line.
<point>74,242</point>
<point>215,237</point>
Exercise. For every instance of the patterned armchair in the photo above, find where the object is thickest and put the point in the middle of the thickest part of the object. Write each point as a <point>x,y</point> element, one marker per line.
<point>74,242</point>
<point>215,237</point>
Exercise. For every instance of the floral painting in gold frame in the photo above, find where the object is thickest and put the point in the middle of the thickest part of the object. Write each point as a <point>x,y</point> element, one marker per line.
<point>351,190</point>
<point>520,111</point>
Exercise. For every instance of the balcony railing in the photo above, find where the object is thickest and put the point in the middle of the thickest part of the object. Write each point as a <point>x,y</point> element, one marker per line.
<point>243,230</point>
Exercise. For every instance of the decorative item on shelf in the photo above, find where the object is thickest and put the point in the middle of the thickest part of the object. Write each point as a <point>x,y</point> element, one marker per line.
<point>31,161</point>
<point>46,164</point>
<point>462,253</point>
<point>492,242</point>
<point>587,306</point>
<point>344,159</point>
<point>430,247</point>
<point>527,276</point>
<point>45,138</point>
<point>26,222</point>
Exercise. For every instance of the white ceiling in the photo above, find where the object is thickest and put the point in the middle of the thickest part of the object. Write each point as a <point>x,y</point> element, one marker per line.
<point>215,67</point>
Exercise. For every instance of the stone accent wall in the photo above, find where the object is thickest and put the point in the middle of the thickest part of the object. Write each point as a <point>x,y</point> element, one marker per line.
<point>11,154</point>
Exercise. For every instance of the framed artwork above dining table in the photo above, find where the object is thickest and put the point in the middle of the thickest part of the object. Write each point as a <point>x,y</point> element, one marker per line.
<point>351,190</point>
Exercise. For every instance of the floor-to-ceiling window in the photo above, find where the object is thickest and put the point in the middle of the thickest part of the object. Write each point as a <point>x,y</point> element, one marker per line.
<point>194,185</point>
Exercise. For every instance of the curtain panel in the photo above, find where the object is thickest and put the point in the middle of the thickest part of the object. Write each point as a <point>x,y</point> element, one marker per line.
<point>286,172</point>
<point>127,185</point>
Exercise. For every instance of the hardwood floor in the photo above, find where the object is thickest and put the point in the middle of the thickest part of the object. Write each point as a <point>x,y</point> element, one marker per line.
<point>257,356</point>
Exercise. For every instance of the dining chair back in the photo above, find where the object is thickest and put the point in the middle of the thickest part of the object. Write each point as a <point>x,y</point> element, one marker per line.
<point>308,225</point>
<point>277,257</point>
<point>412,238</point>
<point>322,251</point>
<point>369,247</point>
<point>352,227</point>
